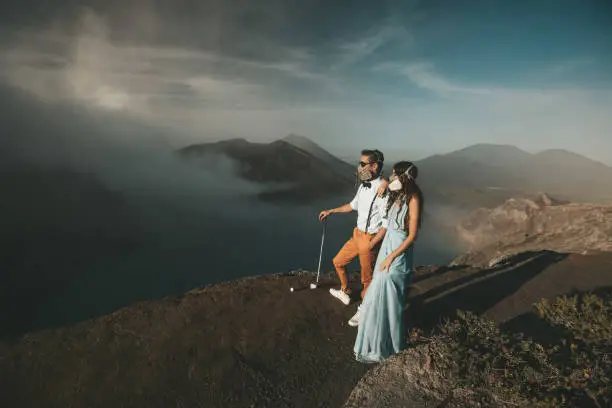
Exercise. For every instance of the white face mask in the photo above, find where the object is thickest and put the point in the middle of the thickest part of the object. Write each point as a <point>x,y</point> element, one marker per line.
<point>395,185</point>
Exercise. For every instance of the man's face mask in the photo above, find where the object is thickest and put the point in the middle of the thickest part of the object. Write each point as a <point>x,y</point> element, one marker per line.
<point>364,172</point>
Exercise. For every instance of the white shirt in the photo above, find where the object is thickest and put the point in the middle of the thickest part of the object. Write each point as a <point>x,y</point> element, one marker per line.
<point>361,203</point>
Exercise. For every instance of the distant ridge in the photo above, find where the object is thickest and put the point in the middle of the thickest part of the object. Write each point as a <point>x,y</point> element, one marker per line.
<point>481,175</point>
<point>304,143</point>
<point>495,154</point>
<point>305,170</point>
<point>512,171</point>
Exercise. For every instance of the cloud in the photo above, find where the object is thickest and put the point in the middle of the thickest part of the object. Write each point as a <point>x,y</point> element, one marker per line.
<point>567,67</point>
<point>498,98</point>
<point>533,117</point>
<point>195,93</point>
<point>351,52</point>
<point>183,87</point>
<point>358,84</point>
<point>424,76</point>
<point>141,166</point>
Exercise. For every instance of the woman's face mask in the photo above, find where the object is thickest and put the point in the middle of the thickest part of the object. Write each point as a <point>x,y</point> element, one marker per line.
<point>395,185</point>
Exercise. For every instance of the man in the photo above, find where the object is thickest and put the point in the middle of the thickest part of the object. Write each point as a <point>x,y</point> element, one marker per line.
<point>371,227</point>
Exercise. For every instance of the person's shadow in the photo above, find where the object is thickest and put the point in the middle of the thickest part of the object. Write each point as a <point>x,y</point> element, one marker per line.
<point>540,330</point>
<point>477,292</point>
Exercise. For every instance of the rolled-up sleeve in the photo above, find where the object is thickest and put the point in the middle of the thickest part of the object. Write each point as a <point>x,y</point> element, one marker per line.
<point>354,201</point>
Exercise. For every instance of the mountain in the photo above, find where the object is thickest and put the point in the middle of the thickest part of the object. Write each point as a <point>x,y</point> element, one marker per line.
<point>566,170</point>
<point>290,172</point>
<point>494,154</point>
<point>466,183</point>
<point>567,158</point>
<point>490,174</point>
<point>304,143</point>
<point>481,175</point>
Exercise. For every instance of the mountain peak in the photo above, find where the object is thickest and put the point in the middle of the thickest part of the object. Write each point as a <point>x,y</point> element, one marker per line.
<point>491,154</point>
<point>303,143</point>
<point>490,148</point>
<point>292,137</point>
<point>234,141</point>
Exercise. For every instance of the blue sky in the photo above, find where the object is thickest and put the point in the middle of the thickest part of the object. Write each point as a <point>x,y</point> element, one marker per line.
<point>413,76</point>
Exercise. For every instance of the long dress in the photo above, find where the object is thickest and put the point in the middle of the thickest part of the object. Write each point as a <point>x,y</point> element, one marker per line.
<point>381,331</point>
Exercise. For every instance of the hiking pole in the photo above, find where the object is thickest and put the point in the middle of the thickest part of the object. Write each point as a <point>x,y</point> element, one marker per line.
<point>316,284</point>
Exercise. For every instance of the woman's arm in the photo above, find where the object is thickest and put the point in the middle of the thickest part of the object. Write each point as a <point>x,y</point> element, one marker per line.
<point>413,227</point>
<point>378,237</point>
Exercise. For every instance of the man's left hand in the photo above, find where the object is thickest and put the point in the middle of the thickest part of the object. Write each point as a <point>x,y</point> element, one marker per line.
<point>382,188</point>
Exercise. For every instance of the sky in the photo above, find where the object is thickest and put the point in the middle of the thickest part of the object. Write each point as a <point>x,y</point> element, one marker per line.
<point>416,76</point>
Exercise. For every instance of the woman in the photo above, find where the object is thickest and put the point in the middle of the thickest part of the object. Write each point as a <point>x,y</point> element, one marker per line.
<point>381,331</point>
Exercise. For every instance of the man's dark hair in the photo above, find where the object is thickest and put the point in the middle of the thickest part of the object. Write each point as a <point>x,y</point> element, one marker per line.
<point>375,156</point>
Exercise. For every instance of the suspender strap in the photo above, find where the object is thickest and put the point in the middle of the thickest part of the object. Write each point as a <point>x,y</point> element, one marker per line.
<point>370,214</point>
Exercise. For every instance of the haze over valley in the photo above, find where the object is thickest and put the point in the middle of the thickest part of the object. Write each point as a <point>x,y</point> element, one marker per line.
<point>92,220</point>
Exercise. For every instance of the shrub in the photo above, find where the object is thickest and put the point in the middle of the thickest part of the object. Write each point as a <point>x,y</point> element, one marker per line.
<point>488,367</point>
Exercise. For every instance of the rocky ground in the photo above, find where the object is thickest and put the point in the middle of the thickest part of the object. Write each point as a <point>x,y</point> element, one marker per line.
<point>504,294</point>
<point>253,343</point>
<point>246,343</point>
<point>532,224</point>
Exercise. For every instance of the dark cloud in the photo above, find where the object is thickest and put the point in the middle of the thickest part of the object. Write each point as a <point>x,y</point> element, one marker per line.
<point>235,27</point>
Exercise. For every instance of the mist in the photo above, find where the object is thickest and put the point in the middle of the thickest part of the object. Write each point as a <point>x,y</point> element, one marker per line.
<point>183,225</point>
<point>100,212</point>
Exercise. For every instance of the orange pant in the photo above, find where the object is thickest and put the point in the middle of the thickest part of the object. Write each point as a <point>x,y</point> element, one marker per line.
<point>358,245</point>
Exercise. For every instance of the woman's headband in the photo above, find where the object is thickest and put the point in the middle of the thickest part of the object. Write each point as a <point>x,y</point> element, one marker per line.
<point>407,172</point>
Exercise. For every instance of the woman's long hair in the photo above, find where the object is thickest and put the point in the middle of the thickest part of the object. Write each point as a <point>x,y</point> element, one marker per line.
<point>407,173</point>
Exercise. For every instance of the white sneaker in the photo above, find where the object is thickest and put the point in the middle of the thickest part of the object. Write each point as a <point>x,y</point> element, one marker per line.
<point>354,322</point>
<point>340,295</point>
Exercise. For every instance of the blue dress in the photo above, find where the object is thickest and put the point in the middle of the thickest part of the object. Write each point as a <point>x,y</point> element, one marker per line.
<point>381,331</point>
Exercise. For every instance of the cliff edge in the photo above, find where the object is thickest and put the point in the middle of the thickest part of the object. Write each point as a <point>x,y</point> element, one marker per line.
<point>532,224</point>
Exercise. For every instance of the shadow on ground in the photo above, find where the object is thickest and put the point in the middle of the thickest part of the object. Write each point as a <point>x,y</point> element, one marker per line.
<point>478,291</point>
<point>531,325</point>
